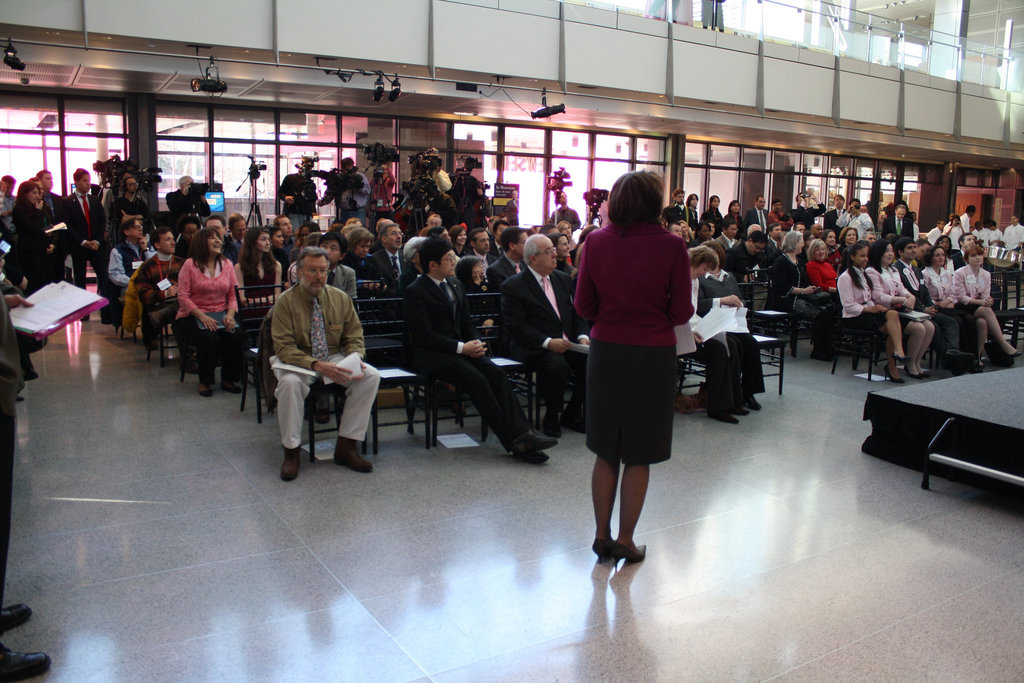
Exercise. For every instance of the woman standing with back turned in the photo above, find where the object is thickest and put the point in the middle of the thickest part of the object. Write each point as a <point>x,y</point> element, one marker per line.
<point>634,285</point>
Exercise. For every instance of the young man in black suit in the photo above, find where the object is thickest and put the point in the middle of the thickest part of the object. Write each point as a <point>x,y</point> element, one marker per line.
<point>539,318</point>
<point>85,238</point>
<point>445,344</point>
<point>389,257</point>
<point>513,241</point>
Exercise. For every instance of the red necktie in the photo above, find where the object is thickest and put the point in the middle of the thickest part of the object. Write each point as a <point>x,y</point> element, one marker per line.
<point>88,218</point>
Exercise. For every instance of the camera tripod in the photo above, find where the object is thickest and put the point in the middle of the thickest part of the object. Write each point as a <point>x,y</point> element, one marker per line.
<point>255,216</point>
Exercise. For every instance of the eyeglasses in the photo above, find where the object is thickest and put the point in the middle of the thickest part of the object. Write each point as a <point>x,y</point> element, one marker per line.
<point>549,250</point>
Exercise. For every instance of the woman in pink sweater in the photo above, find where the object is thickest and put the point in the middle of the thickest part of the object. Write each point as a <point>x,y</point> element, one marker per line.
<point>206,312</point>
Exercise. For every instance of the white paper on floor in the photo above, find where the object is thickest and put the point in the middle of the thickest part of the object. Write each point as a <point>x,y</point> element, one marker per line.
<point>875,377</point>
<point>457,441</point>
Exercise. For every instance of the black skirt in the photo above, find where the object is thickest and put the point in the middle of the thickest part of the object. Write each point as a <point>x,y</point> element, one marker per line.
<point>630,402</point>
<point>865,321</point>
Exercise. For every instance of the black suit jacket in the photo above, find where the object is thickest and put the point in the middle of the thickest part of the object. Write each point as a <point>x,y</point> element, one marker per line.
<point>434,332</point>
<point>387,273</point>
<point>528,319</point>
<point>78,230</point>
<point>923,299</point>
<point>499,271</point>
<point>889,227</point>
<point>750,218</point>
<point>831,218</point>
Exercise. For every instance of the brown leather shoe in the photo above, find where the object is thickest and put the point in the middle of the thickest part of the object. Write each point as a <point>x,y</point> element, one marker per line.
<point>290,466</point>
<point>345,453</point>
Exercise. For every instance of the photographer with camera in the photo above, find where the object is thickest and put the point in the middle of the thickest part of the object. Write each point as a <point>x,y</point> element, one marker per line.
<point>382,194</point>
<point>299,193</point>
<point>468,193</point>
<point>188,199</point>
<point>349,190</point>
<point>131,204</point>
<point>563,212</point>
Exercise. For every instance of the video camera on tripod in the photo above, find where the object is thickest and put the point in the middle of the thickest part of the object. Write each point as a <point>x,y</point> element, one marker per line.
<point>306,171</point>
<point>255,167</point>
<point>594,199</point>
<point>559,180</point>
<point>114,169</point>
<point>470,164</point>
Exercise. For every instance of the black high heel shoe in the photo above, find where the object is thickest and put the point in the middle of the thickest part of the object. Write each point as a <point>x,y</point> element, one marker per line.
<point>621,552</point>
<point>602,548</point>
<point>897,380</point>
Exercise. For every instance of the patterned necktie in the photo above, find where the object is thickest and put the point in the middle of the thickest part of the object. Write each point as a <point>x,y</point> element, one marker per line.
<point>318,332</point>
<point>394,265</point>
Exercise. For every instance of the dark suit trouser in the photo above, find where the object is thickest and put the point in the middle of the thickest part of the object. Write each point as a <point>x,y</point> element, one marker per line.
<point>721,373</point>
<point>6,479</point>
<point>967,329</point>
<point>211,346</point>
<point>80,256</point>
<point>489,389</point>
<point>948,337</point>
<point>553,373</point>
<point>751,376</point>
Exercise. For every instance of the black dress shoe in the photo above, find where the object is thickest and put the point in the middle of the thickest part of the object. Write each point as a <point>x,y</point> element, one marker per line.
<point>739,410</point>
<point>15,666</point>
<point>231,387</point>
<point>530,441</point>
<point>752,403</point>
<point>722,416</point>
<point>30,374</point>
<point>205,390</point>
<point>532,457</point>
<point>14,615</point>
<point>621,552</point>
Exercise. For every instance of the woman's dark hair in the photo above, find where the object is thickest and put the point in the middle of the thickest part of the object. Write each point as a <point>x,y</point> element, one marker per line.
<point>824,236</point>
<point>179,227</point>
<point>24,190</point>
<point>949,243</point>
<point>252,258</point>
<point>332,237</point>
<point>689,197</point>
<point>455,231</point>
<point>555,237</point>
<point>929,256</point>
<point>635,198</point>
<point>464,268</point>
<point>199,250</point>
<point>733,203</point>
<point>847,263</point>
<point>713,198</point>
<point>274,229</point>
<point>875,253</point>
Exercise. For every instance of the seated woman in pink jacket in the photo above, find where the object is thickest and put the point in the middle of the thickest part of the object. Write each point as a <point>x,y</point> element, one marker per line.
<point>862,312</point>
<point>888,289</point>
<point>972,289</point>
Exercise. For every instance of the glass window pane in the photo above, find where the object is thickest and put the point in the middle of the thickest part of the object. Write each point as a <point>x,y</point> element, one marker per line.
<point>840,166</point>
<point>606,173</point>
<point>865,168</point>
<point>693,182</point>
<point>656,169</point>
<point>812,185</point>
<point>837,186</point>
<point>472,138</point>
<point>722,155</point>
<point>231,168</point>
<point>755,158</point>
<point>247,124</point>
<point>300,127</point>
<point>612,147</point>
<point>783,189</point>
<point>752,184</point>
<point>723,184</point>
<point>649,149</point>
<point>29,113</point>
<point>94,116</point>
<point>862,191</point>
<point>82,151</point>
<point>814,163</point>
<point>787,161</point>
<point>528,173</point>
<point>22,155</point>
<point>519,140</point>
<point>694,153</point>
<point>578,175</point>
<point>887,170</point>
<point>572,143</point>
<point>182,120</point>
<point>179,158</point>
<point>423,134</point>
<point>365,130</point>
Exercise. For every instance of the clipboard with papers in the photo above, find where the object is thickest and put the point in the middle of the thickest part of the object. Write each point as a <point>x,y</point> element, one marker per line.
<point>56,305</point>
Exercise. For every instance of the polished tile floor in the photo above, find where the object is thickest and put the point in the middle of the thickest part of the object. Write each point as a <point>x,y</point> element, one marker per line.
<point>155,542</point>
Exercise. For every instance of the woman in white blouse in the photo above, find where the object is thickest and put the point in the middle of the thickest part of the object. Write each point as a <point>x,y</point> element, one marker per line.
<point>862,312</point>
<point>938,278</point>
<point>972,288</point>
<point>887,288</point>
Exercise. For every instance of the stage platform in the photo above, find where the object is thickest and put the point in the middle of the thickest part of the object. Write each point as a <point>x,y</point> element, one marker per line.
<point>989,408</point>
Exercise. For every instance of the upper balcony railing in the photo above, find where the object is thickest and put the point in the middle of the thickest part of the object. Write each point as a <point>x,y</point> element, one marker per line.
<point>819,25</point>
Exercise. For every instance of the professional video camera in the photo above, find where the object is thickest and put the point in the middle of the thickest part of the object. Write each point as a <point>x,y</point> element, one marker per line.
<point>419,190</point>
<point>378,154</point>
<point>425,162</point>
<point>559,180</point>
<point>595,198</point>
<point>340,180</point>
<point>255,167</point>
<point>306,171</point>
<point>114,169</point>
<point>469,164</point>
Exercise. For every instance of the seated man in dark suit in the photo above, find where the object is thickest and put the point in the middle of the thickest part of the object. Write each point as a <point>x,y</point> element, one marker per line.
<point>741,258</point>
<point>389,256</point>
<point>445,345</point>
<point>479,244</point>
<point>513,241</point>
<point>540,321</point>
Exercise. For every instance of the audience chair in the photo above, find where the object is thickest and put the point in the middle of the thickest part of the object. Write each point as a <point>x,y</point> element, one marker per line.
<point>258,300</point>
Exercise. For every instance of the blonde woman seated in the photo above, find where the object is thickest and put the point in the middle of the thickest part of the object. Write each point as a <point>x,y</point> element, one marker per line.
<point>721,361</point>
<point>972,289</point>
<point>888,289</point>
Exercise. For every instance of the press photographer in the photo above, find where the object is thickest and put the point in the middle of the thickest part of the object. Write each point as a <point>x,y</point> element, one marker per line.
<point>382,187</point>
<point>188,200</point>
<point>126,183</point>
<point>469,195</point>
<point>298,193</point>
<point>348,189</point>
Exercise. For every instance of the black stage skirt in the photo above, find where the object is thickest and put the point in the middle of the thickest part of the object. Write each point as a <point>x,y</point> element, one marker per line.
<point>630,402</point>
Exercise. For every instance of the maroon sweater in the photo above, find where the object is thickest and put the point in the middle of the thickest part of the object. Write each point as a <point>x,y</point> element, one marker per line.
<point>635,287</point>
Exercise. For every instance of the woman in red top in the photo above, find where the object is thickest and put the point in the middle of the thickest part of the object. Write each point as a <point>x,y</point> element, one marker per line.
<point>819,271</point>
<point>634,285</point>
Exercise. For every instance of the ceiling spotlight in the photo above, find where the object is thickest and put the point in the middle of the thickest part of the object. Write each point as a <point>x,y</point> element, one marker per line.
<point>11,58</point>
<point>210,81</point>
<point>378,88</point>
<point>545,111</point>
<point>396,90</point>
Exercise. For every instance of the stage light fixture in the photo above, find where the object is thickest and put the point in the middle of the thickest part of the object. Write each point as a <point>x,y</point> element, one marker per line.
<point>378,89</point>
<point>396,90</point>
<point>210,81</point>
<point>545,111</point>
<point>11,58</point>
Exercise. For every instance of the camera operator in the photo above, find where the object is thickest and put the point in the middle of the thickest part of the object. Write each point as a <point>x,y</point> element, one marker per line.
<point>564,213</point>
<point>131,204</point>
<point>352,202</point>
<point>382,194</point>
<point>299,194</point>
<point>186,200</point>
